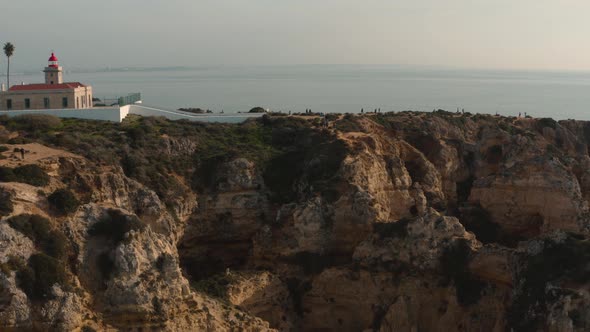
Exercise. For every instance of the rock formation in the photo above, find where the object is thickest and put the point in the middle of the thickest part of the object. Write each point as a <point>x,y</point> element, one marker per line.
<point>385,222</point>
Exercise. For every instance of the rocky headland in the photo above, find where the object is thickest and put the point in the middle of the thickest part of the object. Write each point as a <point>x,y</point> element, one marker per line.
<point>382,222</point>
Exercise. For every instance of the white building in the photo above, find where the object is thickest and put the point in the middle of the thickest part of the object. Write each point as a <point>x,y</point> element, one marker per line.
<point>53,94</point>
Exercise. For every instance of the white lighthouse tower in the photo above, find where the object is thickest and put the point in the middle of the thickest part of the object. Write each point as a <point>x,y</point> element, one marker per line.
<point>53,72</point>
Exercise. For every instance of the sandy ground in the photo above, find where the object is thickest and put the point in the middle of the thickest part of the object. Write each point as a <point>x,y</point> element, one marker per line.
<point>33,153</point>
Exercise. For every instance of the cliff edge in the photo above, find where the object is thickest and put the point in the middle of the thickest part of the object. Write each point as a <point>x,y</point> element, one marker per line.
<point>386,222</point>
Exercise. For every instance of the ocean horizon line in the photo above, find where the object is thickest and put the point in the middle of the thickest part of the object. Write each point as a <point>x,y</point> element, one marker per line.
<point>410,67</point>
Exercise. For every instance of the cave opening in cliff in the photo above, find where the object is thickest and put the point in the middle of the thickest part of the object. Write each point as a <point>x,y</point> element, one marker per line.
<point>213,260</point>
<point>427,144</point>
<point>416,169</point>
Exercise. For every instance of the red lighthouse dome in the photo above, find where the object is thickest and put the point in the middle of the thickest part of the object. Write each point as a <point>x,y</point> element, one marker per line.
<point>53,61</point>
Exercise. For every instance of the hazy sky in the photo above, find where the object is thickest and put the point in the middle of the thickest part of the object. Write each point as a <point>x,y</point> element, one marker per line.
<point>512,34</point>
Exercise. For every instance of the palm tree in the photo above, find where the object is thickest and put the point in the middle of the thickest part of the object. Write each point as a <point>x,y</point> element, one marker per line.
<point>8,50</point>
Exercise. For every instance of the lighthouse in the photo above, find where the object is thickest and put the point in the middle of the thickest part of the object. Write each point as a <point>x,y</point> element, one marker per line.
<point>53,72</point>
<point>53,94</point>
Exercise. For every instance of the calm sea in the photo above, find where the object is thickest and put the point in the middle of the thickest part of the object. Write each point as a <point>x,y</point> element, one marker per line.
<point>347,88</point>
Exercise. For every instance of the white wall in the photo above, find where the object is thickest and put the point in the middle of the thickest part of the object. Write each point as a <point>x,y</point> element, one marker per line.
<point>123,112</point>
<point>117,114</point>
<point>106,114</point>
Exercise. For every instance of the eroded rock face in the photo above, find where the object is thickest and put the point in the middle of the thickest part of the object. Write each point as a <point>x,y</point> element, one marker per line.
<point>219,234</point>
<point>414,178</point>
<point>264,295</point>
<point>356,301</point>
<point>533,198</point>
<point>143,286</point>
<point>14,308</point>
<point>425,222</point>
<point>416,244</point>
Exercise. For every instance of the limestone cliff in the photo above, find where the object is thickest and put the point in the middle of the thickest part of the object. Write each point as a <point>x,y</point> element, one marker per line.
<point>385,222</point>
<point>131,283</point>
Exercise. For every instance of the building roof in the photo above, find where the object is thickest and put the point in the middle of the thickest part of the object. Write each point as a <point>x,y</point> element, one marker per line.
<point>53,57</point>
<point>43,86</point>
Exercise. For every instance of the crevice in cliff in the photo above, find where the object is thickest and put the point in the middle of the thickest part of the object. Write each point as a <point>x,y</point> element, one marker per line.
<point>477,220</point>
<point>314,263</point>
<point>416,170</point>
<point>214,258</point>
<point>454,264</point>
<point>427,144</point>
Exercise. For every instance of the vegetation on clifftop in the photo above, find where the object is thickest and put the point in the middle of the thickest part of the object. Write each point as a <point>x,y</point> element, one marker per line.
<point>63,201</point>
<point>39,276</point>
<point>154,151</point>
<point>115,225</point>
<point>45,268</point>
<point>29,174</point>
<point>6,205</point>
<point>40,231</point>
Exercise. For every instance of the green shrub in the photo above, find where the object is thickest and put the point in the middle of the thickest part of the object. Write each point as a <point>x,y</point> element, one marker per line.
<point>384,119</point>
<point>547,122</point>
<point>63,201</point>
<point>309,160</point>
<point>6,206</point>
<point>33,123</point>
<point>56,245</point>
<point>7,174</point>
<point>14,263</point>
<point>115,225</point>
<point>3,148</point>
<point>257,109</point>
<point>442,112</point>
<point>32,226</point>
<point>156,152</point>
<point>249,140</point>
<point>40,274</point>
<point>38,229</point>
<point>332,116</point>
<point>348,124</point>
<point>31,174</point>
<point>19,140</point>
